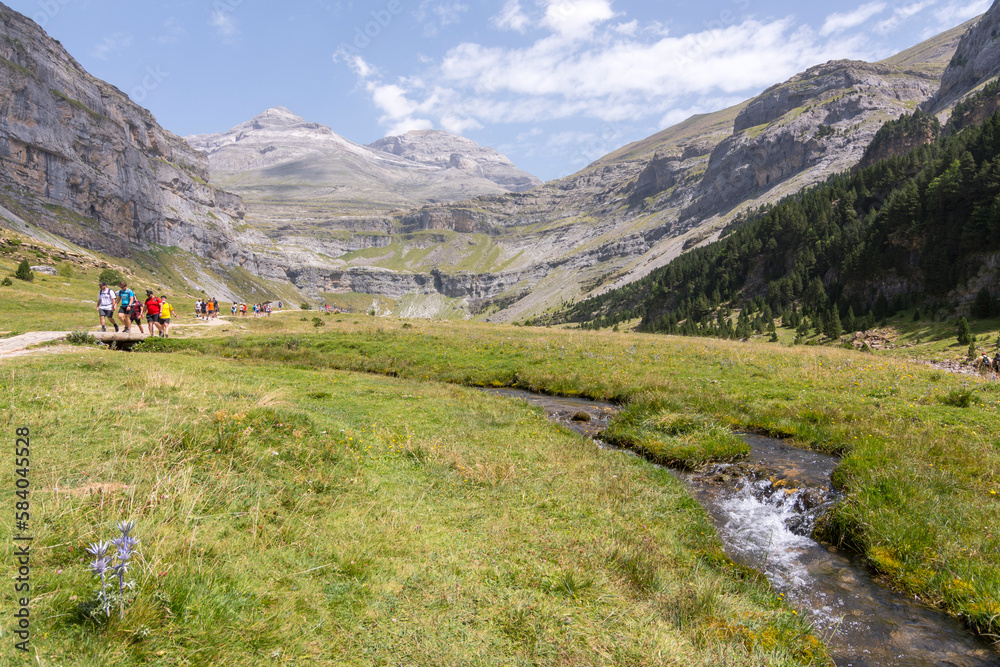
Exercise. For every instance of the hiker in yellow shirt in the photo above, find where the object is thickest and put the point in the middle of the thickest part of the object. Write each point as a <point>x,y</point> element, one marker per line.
<point>166,312</point>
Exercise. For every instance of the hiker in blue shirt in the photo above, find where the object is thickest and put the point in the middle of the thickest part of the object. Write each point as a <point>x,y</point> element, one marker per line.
<point>124,300</point>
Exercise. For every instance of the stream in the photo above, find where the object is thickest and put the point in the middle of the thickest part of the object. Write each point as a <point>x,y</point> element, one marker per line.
<point>764,509</point>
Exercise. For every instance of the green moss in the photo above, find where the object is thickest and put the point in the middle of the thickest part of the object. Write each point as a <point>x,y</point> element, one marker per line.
<point>78,104</point>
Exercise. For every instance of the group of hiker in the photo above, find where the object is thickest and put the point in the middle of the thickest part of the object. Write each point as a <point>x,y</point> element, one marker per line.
<point>206,309</point>
<point>125,305</point>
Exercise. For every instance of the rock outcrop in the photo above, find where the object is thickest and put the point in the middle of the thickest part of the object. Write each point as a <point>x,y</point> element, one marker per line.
<point>94,167</point>
<point>976,60</point>
<point>448,151</point>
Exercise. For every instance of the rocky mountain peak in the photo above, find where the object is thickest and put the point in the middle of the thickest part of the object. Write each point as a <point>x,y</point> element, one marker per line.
<point>272,137</point>
<point>278,116</point>
<point>441,149</point>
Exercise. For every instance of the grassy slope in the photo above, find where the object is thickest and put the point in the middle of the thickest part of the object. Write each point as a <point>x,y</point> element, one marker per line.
<point>932,55</point>
<point>289,512</point>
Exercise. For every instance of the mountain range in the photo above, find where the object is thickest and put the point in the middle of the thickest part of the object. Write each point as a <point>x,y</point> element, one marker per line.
<point>431,222</point>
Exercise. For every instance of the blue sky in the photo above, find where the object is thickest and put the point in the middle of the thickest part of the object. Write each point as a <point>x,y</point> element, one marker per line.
<point>553,84</point>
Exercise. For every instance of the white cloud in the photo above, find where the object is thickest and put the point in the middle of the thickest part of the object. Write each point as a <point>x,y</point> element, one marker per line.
<point>958,12</point>
<point>111,45</point>
<point>838,22</point>
<point>225,24</point>
<point>458,124</point>
<point>511,17</point>
<point>743,56</point>
<point>361,67</point>
<point>434,15</point>
<point>586,67</point>
<point>628,29</point>
<point>392,100</point>
<point>576,19</point>
<point>900,14</point>
<point>407,124</point>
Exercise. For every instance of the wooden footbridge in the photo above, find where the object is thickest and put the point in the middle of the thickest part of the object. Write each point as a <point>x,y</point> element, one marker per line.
<point>119,340</point>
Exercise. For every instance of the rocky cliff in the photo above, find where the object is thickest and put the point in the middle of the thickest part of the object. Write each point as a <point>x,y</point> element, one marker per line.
<point>638,208</point>
<point>82,160</point>
<point>975,61</point>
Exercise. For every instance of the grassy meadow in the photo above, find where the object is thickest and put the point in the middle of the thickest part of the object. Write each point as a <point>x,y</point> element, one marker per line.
<point>295,514</point>
<point>921,465</point>
<point>328,489</point>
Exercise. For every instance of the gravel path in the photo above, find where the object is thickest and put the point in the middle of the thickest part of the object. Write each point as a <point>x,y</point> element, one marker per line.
<point>16,346</point>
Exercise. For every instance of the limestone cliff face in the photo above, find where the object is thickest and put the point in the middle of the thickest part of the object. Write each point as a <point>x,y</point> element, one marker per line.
<point>802,130</point>
<point>976,60</point>
<point>641,206</point>
<point>72,143</point>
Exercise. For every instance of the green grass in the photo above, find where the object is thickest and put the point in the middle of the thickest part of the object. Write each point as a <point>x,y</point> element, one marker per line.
<point>289,513</point>
<point>921,473</point>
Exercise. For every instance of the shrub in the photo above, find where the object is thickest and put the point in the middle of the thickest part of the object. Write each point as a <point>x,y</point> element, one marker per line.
<point>24,272</point>
<point>305,306</point>
<point>317,322</point>
<point>80,338</point>
<point>111,277</point>
<point>7,282</point>
<point>958,398</point>
<point>65,270</point>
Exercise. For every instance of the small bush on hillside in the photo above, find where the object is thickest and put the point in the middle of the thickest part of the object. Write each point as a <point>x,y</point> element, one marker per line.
<point>65,270</point>
<point>7,282</point>
<point>24,272</point>
<point>111,277</point>
<point>305,306</point>
<point>317,322</point>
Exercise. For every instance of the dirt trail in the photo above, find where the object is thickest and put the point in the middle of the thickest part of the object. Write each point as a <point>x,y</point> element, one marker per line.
<point>16,346</point>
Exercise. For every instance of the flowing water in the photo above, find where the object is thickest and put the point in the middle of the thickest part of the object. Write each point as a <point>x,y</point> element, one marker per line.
<point>764,509</point>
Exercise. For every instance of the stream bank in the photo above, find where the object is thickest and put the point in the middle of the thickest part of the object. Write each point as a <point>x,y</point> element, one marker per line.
<point>765,508</point>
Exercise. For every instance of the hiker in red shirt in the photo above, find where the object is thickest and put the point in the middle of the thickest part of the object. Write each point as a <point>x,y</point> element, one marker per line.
<point>151,309</point>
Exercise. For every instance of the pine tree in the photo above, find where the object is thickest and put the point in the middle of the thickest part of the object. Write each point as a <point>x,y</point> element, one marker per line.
<point>24,272</point>
<point>832,327</point>
<point>964,332</point>
<point>850,322</point>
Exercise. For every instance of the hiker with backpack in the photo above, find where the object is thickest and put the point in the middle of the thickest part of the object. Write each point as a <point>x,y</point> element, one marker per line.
<point>151,308</point>
<point>135,313</point>
<point>106,306</point>
<point>126,299</point>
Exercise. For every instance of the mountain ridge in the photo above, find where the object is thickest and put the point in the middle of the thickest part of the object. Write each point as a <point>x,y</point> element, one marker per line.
<point>502,255</point>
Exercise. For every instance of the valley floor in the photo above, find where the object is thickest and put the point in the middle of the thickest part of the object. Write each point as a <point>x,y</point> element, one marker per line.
<point>291,508</point>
